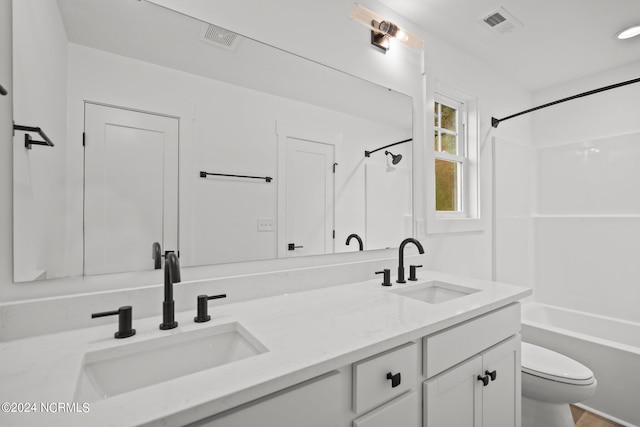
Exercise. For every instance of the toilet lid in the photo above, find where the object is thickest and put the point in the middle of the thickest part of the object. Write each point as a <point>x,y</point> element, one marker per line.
<point>545,363</point>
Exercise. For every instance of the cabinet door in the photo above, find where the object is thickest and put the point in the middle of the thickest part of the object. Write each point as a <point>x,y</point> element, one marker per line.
<point>315,403</point>
<point>501,397</point>
<point>454,397</point>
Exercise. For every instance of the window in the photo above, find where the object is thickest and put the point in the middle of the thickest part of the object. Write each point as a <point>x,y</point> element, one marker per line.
<point>450,154</point>
<point>453,197</point>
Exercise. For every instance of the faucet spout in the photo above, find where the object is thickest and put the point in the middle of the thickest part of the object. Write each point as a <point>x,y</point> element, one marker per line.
<point>401,257</point>
<point>171,276</point>
<point>358,238</point>
<point>156,254</point>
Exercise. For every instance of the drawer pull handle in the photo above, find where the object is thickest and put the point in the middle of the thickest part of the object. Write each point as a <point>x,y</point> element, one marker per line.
<point>491,374</point>
<point>485,380</point>
<point>395,379</point>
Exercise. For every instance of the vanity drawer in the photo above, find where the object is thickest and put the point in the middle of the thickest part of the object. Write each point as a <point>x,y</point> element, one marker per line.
<point>371,387</point>
<point>402,411</point>
<point>456,344</point>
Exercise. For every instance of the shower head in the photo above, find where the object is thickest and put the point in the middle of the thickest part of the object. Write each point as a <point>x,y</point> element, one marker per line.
<point>395,158</point>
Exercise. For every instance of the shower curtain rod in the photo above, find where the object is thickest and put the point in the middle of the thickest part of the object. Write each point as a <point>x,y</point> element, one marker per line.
<point>495,122</point>
<point>368,153</point>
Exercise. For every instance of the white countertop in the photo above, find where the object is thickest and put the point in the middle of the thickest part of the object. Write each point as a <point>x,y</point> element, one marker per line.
<point>307,334</point>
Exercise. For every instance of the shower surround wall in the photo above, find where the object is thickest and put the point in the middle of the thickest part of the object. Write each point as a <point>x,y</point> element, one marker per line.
<point>587,226</point>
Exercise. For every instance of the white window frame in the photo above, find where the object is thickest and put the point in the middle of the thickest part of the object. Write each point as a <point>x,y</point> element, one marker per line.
<point>461,157</point>
<point>468,217</point>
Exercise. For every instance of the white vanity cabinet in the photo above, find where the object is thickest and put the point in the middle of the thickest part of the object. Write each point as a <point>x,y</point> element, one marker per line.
<point>318,402</point>
<point>481,384</point>
<point>470,378</point>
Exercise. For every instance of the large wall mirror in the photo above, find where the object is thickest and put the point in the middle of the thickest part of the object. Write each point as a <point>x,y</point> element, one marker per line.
<point>170,130</point>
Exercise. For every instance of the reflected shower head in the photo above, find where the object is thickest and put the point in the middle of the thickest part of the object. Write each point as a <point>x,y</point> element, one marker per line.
<point>395,158</point>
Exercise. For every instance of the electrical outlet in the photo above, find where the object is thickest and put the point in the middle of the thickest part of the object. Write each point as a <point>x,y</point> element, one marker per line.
<point>266,224</point>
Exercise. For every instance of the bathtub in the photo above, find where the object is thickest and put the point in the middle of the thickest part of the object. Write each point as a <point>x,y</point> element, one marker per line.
<point>609,347</point>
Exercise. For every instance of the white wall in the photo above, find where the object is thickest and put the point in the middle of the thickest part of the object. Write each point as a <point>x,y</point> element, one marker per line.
<point>588,212</point>
<point>514,201</point>
<point>6,149</point>
<point>301,27</point>
<point>40,71</point>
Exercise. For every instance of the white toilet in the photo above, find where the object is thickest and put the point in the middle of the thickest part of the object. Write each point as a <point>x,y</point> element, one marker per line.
<point>550,382</point>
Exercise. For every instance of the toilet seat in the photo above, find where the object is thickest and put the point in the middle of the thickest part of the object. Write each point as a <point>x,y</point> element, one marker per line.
<point>544,363</point>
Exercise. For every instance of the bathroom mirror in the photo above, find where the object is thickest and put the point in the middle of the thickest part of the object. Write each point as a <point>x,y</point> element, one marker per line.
<point>168,129</point>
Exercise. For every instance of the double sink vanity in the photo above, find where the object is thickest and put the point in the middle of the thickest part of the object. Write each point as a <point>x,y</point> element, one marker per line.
<point>442,350</point>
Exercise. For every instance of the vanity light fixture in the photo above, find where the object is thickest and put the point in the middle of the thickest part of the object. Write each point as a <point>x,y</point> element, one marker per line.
<point>382,30</point>
<point>628,33</point>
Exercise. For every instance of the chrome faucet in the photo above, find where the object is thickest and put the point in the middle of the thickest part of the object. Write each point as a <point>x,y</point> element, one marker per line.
<point>355,236</point>
<point>401,257</point>
<point>171,276</point>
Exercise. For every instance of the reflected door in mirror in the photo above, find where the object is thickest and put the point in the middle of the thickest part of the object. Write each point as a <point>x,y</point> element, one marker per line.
<point>131,188</point>
<point>309,198</point>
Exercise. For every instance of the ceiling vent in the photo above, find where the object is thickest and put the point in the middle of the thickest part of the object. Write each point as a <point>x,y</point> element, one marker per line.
<point>219,36</point>
<point>500,21</point>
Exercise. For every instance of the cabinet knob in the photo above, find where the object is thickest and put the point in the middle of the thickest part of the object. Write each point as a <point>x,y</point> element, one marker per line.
<point>485,380</point>
<point>491,374</point>
<point>395,379</point>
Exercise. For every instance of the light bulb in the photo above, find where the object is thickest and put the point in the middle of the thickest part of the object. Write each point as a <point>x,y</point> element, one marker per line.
<point>629,32</point>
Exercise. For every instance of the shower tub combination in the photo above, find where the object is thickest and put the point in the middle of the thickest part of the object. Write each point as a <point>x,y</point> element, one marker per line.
<point>609,347</point>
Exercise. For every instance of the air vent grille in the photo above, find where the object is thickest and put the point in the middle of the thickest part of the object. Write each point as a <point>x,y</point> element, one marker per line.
<point>495,19</point>
<point>219,36</point>
<point>500,21</point>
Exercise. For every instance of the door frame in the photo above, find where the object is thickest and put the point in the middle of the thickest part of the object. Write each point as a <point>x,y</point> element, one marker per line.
<point>84,165</point>
<point>140,99</point>
<point>306,131</point>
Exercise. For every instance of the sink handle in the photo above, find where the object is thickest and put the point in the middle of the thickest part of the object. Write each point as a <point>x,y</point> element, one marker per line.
<point>386,276</point>
<point>125,320</point>
<point>203,308</point>
<point>412,272</point>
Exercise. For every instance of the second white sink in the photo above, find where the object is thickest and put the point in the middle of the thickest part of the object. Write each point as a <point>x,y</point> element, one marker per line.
<point>128,367</point>
<point>434,292</point>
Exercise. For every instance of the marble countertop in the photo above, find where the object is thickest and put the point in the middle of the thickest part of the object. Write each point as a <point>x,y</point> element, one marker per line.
<point>306,333</point>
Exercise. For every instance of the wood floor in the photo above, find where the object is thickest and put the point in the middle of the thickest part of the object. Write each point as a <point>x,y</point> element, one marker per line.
<point>584,418</point>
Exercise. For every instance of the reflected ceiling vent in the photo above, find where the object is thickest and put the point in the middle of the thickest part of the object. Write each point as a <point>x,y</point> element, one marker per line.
<point>219,36</point>
<point>500,21</point>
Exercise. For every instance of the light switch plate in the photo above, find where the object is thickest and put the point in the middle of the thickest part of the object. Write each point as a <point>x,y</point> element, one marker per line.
<point>266,224</point>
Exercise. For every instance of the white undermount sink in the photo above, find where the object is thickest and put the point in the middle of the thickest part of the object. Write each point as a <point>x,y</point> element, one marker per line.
<point>435,292</point>
<point>109,372</point>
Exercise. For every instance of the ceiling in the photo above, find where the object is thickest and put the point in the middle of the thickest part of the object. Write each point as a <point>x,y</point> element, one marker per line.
<point>559,40</point>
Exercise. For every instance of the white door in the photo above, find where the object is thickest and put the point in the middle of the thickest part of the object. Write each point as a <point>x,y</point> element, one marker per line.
<point>131,188</point>
<point>308,197</point>
<point>454,398</point>
<point>501,398</point>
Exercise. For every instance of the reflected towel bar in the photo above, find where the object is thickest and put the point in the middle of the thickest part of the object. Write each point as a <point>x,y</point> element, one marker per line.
<point>28,141</point>
<point>495,122</point>
<point>204,175</point>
